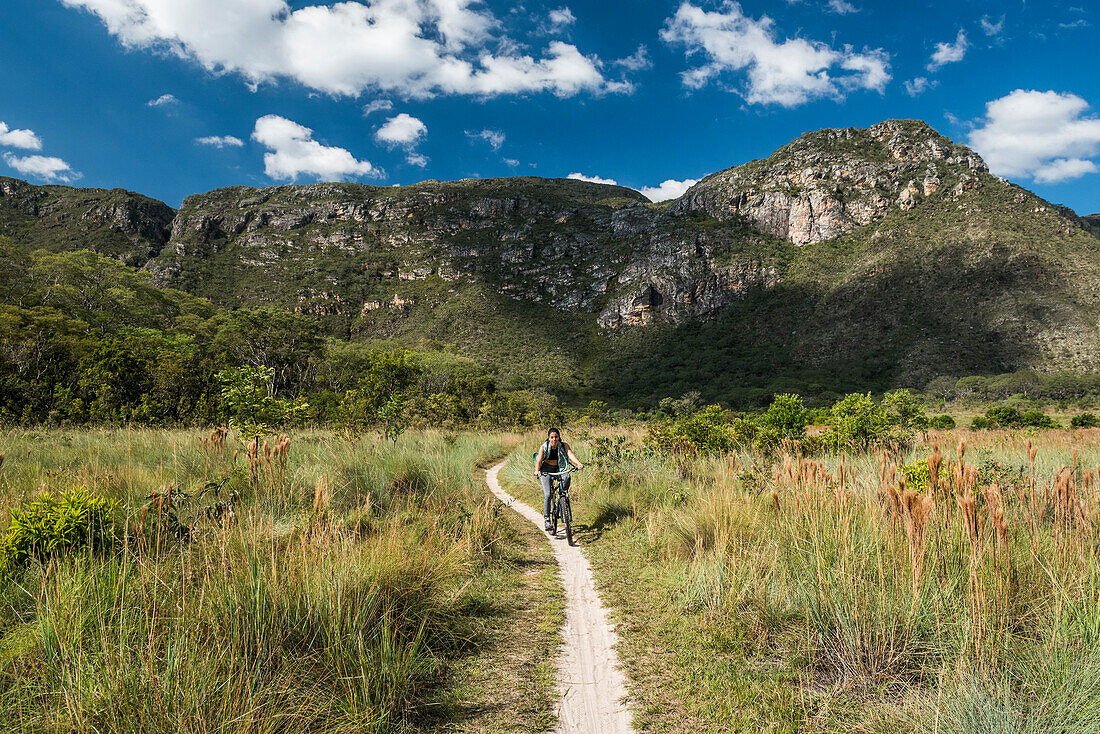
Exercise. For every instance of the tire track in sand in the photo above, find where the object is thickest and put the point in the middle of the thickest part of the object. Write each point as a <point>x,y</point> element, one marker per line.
<point>590,685</point>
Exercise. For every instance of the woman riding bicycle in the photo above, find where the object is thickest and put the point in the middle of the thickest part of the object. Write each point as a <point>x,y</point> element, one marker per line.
<point>553,456</point>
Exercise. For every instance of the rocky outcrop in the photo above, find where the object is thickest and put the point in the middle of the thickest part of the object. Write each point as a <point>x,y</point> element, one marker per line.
<point>830,182</point>
<point>114,222</point>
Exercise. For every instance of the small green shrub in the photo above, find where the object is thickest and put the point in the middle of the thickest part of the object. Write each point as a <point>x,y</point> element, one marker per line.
<point>53,526</point>
<point>917,476</point>
<point>708,431</point>
<point>981,423</point>
<point>1005,416</point>
<point>942,423</point>
<point>1037,419</point>
<point>857,421</point>
<point>1084,420</point>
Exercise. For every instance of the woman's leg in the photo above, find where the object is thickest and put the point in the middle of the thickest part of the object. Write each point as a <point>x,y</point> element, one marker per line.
<point>545,497</point>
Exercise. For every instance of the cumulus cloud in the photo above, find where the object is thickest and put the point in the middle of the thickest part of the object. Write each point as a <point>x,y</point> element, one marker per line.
<point>417,160</point>
<point>842,7</point>
<point>415,48</point>
<point>401,129</point>
<point>19,138</point>
<point>220,141</point>
<point>164,100</point>
<point>294,152</point>
<point>377,105</point>
<point>670,189</point>
<point>917,86</point>
<point>561,17</point>
<point>45,168</point>
<point>948,53</point>
<point>991,28</point>
<point>1047,136</point>
<point>592,179</point>
<point>636,61</point>
<point>787,72</point>
<point>495,138</point>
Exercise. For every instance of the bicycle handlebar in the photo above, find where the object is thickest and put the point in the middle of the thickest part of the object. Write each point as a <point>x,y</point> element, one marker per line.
<point>557,473</point>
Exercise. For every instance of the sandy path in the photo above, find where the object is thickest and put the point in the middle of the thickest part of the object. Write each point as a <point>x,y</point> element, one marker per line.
<point>590,684</point>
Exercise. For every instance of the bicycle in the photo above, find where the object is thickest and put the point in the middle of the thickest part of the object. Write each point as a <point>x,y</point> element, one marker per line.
<point>560,507</point>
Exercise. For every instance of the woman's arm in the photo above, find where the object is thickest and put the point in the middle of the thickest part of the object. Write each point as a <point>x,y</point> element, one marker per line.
<point>538,460</point>
<point>573,457</point>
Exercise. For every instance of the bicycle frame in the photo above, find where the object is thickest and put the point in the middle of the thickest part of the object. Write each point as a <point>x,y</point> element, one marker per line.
<point>559,503</point>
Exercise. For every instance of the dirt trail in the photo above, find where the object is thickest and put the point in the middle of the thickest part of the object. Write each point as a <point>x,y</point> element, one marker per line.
<point>590,684</point>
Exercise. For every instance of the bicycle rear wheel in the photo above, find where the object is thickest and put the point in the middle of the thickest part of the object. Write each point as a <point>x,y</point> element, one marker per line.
<point>554,514</point>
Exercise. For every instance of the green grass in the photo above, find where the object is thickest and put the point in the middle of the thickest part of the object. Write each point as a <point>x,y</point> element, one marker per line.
<point>355,590</point>
<point>735,617</point>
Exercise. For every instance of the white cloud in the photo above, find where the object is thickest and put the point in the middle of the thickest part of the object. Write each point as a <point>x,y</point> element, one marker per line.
<point>842,7</point>
<point>1044,135</point>
<point>377,105</point>
<point>788,72</point>
<point>495,138</point>
<point>294,152</point>
<point>19,138</point>
<point>417,160</point>
<point>511,162</point>
<point>670,189</point>
<point>948,53</point>
<point>592,179</point>
<point>164,100</point>
<point>919,85</point>
<point>1064,169</point>
<point>636,61</point>
<point>401,129</point>
<point>46,168</point>
<point>220,141</point>
<point>415,48</point>
<point>991,28</point>
<point>561,17</point>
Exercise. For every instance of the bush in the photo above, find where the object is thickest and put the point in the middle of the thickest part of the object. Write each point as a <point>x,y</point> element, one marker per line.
<point>51,526</point>
<point>1037,419</point>
<point>1084,420</point>
<point>1005,416</point>
<point>942,423</point>
<point>980,423</point>
<point>906,409</point>
<point>917,475</point>
<point>856,421</point>
<point>708,431</point>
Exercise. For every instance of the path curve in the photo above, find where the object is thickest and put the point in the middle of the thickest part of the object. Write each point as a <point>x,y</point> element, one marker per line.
<point>590,685</point>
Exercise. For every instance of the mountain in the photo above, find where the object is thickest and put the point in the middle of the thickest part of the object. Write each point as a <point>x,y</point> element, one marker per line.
<point>848,259</point>
<point>122,224</point>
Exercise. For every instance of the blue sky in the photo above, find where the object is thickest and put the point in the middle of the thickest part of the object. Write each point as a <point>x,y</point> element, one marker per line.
<point>173,97</point>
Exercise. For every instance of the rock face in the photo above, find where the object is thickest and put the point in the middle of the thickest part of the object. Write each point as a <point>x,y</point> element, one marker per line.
<point>829,182</point>
<point>572,245</point>
<point>114,222</point>
<point>881,251</point>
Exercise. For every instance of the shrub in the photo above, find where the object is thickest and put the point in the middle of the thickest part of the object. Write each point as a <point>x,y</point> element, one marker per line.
<point>917,475</point>
<point>786,416</point>
<point>980,423</point>
<point>907,410</point>
<point>1005,416</point>
<point>707,431</point>
<point>856,421</point>
<point>942,423</point>
<point>1084,420</point>
<point>1037,419</point>
<point>53,526</point>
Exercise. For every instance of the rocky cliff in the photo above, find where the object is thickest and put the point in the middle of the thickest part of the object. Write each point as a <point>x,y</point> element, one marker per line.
<point>849,257</point>
<point>114,222</point>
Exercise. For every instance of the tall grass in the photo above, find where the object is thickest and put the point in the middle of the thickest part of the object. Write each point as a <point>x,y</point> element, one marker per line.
<point>941,603</point>
<point>326,600</point>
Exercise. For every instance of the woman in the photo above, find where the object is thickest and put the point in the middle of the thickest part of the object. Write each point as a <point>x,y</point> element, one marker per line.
<point>553,456</point>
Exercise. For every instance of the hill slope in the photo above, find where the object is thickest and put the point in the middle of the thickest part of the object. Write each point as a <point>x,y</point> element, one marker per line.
<point>851,258</point>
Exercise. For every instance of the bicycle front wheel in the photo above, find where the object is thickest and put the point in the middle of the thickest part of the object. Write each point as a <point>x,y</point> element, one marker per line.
<point>567,518</point>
